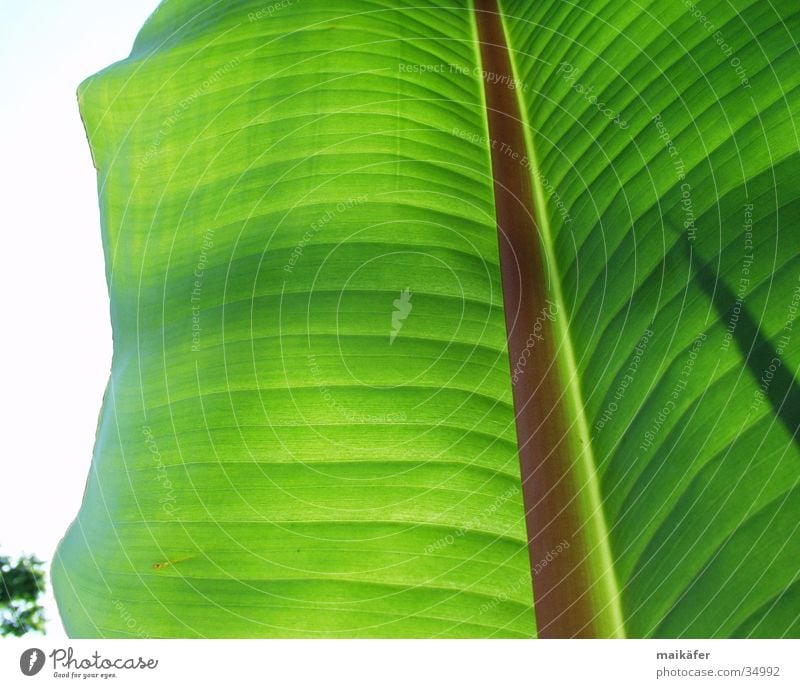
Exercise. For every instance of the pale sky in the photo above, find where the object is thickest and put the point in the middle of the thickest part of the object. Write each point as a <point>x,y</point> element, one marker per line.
<point>55,351</point>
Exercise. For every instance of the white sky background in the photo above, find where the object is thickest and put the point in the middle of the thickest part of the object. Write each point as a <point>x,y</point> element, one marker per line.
<point>55,350</point>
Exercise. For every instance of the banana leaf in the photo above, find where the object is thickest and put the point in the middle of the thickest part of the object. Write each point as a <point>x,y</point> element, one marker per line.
<point>356,392</point>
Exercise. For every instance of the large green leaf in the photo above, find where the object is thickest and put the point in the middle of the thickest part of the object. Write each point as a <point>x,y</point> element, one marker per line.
<point>309,428</point>
<point>703,507</point>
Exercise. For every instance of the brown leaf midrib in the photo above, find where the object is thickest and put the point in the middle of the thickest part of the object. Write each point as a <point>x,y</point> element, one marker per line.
<point>564,604</point>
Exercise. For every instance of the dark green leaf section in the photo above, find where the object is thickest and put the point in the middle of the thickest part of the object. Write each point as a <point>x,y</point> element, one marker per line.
<point>665,127</point>
<point>763,357</point>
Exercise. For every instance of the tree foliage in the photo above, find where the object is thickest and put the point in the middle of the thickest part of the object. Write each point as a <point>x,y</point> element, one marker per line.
<point>22,584</point>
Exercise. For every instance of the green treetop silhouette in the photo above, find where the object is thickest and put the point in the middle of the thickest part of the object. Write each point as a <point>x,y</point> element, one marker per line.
<point>21,584</point>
